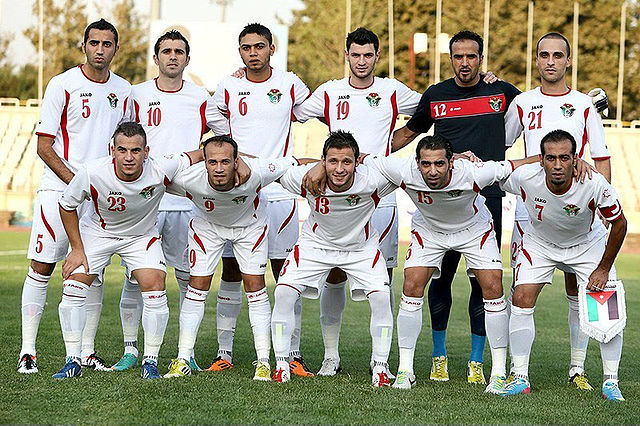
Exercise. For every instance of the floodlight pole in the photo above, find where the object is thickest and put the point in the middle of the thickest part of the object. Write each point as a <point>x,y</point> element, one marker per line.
<point>347,29</point>
<point>40,49</point>
<point>623,28</point>
<point>391,40</point>
<point>487,14</point>
<point>412,64</point>
<point>574,59</point>
<point>529,44</point>
<point>436,74</point>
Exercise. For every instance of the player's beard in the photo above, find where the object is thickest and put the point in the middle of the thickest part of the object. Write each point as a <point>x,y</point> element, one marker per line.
<point>468,78</point>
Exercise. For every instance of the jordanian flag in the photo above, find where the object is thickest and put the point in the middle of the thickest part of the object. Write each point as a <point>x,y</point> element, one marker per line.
<point>602,305</point>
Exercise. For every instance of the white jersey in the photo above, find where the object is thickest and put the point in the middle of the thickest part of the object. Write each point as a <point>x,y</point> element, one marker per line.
<point>175,122</point>
<point>260,116</point>
<point>81,115</point>
<point>340,220</point>
<point>455,207</point>
<point>240,206</point>
<point>534,114</point>
<point>121,208</point>
<point>568,219</point>
<point>369,113</point>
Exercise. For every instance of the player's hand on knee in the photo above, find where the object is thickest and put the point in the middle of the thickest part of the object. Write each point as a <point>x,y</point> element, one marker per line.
<point>243,172</point>
<point>239,73</point>
<point>489,77</point>
<point>600,100</point>
<point>598,279</point>
<point>582,170</point>
<point>315,180</point>
<point>75,259</point>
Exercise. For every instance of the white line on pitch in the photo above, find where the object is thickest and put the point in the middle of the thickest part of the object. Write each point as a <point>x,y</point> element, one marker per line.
<point>12,252</point>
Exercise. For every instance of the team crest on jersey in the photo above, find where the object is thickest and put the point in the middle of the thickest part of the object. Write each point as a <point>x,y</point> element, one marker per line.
<point>373,99</point>
<point>147,192</point>
<point>353,199</point>
<point>571,209</point>
<point>272,167</point>
<point>567,110</point>
<point>113,100</point>
<point>240,199</point>
<point>454,193</point>
<point>495,103</point>
<point>274,96</point>
<point>606,193</point>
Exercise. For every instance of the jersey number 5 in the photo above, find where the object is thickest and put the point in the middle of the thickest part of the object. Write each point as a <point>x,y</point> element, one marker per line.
<point>86,111</point>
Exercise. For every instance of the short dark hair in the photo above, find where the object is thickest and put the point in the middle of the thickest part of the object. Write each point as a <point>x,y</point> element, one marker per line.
<point>341,139</point>
<point>558,136</point>
<point>101,25</point>
<point>259,29</point>
<point>171,35</point>
<point>434,143</point>
<point>362,36</point>
<point>467,35</point>
<point>220,140</point>
<point>130,129</point>
<point>557,36</point>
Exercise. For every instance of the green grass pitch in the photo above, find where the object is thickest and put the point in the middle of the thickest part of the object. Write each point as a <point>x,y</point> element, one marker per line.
<point>232,397</point>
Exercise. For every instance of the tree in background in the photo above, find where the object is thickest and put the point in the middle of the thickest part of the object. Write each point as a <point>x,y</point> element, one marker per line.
<point>131,61</point>
<point>16,83</point>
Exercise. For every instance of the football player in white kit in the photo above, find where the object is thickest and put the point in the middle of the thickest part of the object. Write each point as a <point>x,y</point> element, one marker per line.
<point>126,189</point>
<point>366,106</point>
<point>174,114</point>
<point>563,232</point>
<point>227,213</point>
<point>80,110</point>
<point>337,234</point>
<point>535,113</point>
<point>259,107</point>
<point>452,216</point>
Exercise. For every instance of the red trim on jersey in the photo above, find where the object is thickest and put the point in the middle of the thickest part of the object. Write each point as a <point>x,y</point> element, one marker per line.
<point>246,74</point>
<point>136,109</point>
<point>600,158</point>
<point>66,210</point>
<point>288,219</point>
<point>476,188</point>
<point>227,113</point>
<point>485,236</point>
<point>168,91</point>
<point>189,196</point>
<point>166,181</point>
<point>370,293</point>
<point>524,135</point>
<point>63,125</point>
<point>296,254</point>
<point>256,201</point>
<point>592,207</point>
<point>556,94</point>
<point>46,224</point>
<point>520,231</point>
<point>327,118</point>
<point>559,193</point>
<point>361,88</point>
<point>612,212</point>
<point>47,135</point>
<point>203,119</point>
<point>151,241</point>
<point>527,255</point>
<point>81,66</point>
<point>523,194</point>
<point>264,232</point>
<point>196,237</point>
<point>403,185</point>
<point>124,107</point>
<point>388,228</point>
<point>394,116</point>
<point>513,166</point>
<point>292,93</point>
<point>190,159</point>
<point>418,238</point>
<point>94,197</point>
<point>375,259</point>
<point>303,192</point>
<point>475,209</point>
<point>366,231</point>
<point>290,286</point>
<point>315,226</point>
<point>470,107</point>
<point>375,197</point>
<point>585,136</point>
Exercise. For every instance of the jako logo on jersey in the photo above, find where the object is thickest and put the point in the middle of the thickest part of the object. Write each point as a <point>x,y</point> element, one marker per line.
<point>274,96</point>
<point>374,100</point>
<point>113,100</point>
<point>353,199</point>
<point>495,103</point>
<point>240,199</point>
<point>567,110</point>
<point>454,193</point>
<point>571,209</point>
<point>147,192</point>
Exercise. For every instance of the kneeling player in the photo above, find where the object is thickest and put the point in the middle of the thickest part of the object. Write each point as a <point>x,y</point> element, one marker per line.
<point>126,190</point>
<point>227,213</point>
<point>563,232</point>
<point>337,233</point>
<point>452,216</point>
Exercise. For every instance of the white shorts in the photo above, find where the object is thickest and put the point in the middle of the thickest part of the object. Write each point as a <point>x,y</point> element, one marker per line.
<point>173,226</point>
<point>385,221</point>
<point>477,244</point>
<point>537,261</point>
<point>49,242</point>
<point>207,242</point>
<point>307,267</point>
<point>516,240</point>
<point>141,252</point>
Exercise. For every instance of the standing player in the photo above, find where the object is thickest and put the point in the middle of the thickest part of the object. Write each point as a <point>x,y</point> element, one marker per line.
<point>126,189</point>
<point>80,111</point>
<point>367,107</point>
<point>225,213</point>
<point>470,114</point>
<point>534,114</point>
<point>174,114</point>
<point>452,216</point>
<point>259,107</point>
<point>563,232</point>
<point>337,234</point>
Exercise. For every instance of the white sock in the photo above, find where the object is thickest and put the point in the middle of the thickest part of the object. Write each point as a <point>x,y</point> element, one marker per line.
<point>392,302</point>
<point>155,315</point>
<point>579,340</point>
<point>130,314</point>
<point>611,352</point>
<point>496,322</point>
<point>182,278</point>
<point>93,307</point>
<point>408,325</point>
<point>522,331</point>
<point>73,315</point>
<point>260,319</point>
<point>34,297</point>
<point>227,311</point>
<point>297,331</point>
<point>381,325</point>
<point>191,315</point>
<point>333,300</point>
<point>282,323</point>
